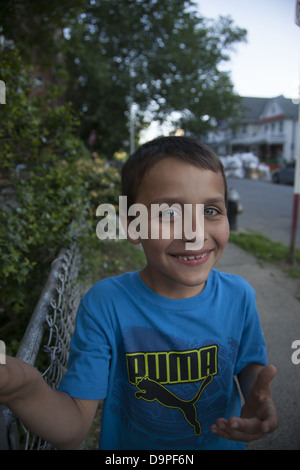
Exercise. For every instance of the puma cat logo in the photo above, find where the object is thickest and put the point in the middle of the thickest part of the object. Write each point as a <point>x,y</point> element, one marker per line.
<point>150,390</point>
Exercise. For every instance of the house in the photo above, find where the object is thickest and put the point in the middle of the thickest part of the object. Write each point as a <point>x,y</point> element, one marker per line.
<point>268,127</point>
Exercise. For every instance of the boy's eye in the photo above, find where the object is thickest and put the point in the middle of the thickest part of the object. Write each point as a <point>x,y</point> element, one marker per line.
<point>210,211</point>
<point>169,213</point>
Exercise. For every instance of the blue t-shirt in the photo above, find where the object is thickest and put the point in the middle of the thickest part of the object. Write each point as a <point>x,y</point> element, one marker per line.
<point>164,366</point>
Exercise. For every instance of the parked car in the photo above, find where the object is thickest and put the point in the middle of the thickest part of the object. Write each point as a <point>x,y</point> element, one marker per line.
<point>285,174</point>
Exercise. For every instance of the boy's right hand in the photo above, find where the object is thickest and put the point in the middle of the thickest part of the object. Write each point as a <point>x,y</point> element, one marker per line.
<point>50,414</point>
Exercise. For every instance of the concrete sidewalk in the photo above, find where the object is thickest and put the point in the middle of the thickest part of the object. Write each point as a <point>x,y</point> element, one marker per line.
<point>280,317</point>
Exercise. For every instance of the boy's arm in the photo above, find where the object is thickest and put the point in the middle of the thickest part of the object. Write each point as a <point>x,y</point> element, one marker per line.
<point>258,415</point>
<point>52,415</point>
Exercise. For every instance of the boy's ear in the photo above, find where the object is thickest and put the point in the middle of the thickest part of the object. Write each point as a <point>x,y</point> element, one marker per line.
<point>125,221</point>
<point>133,241</point>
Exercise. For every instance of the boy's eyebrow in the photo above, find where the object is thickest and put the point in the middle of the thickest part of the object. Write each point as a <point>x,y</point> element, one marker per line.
<point>215,200</point>
<point>170,201</point>
<point>166,200</point>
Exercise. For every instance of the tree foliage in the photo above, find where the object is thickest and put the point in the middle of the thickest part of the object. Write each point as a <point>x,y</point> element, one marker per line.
<point>162,54</point>
<point>37,27</point>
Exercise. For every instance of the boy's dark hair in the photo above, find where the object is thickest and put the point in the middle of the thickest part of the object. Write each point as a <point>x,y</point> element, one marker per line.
<point>185,148</point>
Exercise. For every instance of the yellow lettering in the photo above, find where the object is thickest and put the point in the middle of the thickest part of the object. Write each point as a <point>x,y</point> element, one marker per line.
<point>174,366</point>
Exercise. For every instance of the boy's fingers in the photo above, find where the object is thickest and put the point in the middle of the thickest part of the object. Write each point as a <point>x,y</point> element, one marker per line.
<point>237,429</point>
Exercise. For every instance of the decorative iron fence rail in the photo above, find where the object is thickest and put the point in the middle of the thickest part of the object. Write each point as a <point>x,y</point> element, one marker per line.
<point>47,340</point>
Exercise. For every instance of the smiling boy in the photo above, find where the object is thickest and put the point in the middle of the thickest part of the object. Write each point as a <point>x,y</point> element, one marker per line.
<point>161,345</point>
<point>172,270</point>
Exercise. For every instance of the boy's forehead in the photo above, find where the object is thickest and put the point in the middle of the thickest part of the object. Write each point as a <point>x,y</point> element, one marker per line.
<point>168,166</point>
<point>173,168</point>
<point>171,175</point>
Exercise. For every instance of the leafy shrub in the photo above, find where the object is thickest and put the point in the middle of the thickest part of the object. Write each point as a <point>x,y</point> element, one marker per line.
<point>49,189</point>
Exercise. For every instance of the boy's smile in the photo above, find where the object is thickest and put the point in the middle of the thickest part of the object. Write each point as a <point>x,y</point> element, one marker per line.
<point>172,270</point>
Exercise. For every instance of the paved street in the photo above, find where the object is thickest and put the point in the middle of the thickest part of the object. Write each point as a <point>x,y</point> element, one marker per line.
<point>268,208</point>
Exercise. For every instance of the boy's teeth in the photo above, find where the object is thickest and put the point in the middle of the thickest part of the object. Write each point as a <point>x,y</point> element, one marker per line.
<point>185,258</point>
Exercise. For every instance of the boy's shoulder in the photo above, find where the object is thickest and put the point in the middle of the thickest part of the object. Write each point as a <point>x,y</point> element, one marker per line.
<point>111,286</point>
<point>230,278</point>
<point>232,281</point>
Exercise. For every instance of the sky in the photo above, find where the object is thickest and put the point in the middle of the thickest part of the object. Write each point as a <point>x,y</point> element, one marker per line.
<point>268,65</point>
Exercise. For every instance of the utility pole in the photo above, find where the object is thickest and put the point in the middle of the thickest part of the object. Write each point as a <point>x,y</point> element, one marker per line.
<point>297,169</point>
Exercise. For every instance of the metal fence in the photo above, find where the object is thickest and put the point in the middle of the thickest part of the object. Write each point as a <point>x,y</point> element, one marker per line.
<point>46,341</point>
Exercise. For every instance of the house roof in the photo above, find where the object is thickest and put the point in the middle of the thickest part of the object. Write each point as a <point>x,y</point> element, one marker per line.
<point>252,107</point>
<point>288,107</point>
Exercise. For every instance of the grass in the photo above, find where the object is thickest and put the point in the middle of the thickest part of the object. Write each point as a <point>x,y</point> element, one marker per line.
<point>267,250</point>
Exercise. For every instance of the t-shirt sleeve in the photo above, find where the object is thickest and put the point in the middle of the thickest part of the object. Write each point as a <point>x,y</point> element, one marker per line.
<point>252,348</point>
<point>90,353</point>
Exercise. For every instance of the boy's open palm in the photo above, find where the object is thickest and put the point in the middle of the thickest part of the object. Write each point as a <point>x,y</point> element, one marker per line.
<point>258,415</point>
